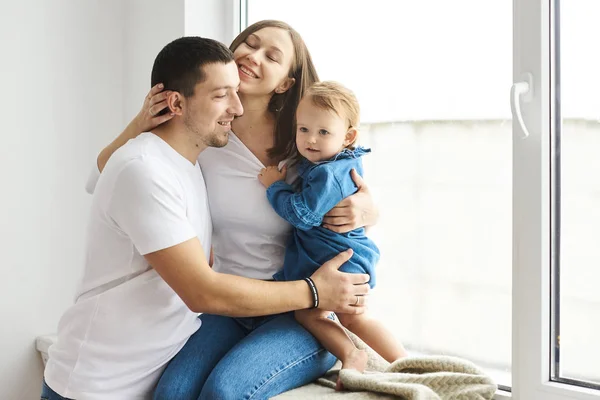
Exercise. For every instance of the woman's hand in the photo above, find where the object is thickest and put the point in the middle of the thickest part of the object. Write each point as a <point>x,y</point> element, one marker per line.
<point>156,101</point>
<point>354,211</point>
<point>271,174</point>
<point>340,291</point>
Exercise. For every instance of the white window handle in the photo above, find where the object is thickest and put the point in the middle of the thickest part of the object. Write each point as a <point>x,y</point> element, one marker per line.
<point>524,89</point>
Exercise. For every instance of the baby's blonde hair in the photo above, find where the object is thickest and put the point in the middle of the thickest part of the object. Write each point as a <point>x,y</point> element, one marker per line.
<point>333,96</point>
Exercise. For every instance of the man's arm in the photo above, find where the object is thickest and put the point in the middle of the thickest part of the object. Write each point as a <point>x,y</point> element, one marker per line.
<point>147,205</point>
<point>185,269</point>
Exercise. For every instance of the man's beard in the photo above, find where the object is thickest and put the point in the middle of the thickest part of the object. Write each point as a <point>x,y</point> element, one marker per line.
<point>214,139</point>
<point>217,139</point>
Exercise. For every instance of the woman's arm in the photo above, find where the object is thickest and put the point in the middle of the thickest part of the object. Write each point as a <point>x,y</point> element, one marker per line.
<point>130,132</point>
<point>355,211</point>
<point>147,119</point>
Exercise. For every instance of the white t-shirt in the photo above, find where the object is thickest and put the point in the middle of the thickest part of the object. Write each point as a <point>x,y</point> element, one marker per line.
<point>127,323</point>
<point>249,238</point>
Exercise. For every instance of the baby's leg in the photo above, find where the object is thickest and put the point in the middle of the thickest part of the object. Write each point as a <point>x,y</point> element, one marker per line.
<point>333,337</point>
<point>375,334</point>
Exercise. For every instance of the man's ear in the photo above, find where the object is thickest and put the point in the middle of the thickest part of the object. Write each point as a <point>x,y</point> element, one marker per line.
<point>351,136</point>
<point>175,101</point>
<point>285,85</point>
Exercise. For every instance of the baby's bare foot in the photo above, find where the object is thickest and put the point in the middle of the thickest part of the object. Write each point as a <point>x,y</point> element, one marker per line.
<point>357,360</point>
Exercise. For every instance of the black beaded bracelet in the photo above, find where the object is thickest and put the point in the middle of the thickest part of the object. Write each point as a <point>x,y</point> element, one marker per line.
<point>313,290</point>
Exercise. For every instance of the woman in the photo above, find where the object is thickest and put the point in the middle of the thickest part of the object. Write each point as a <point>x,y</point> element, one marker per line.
<point>234,358</point>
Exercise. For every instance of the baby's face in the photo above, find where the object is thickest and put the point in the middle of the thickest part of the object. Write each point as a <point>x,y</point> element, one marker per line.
<point>320,134</point>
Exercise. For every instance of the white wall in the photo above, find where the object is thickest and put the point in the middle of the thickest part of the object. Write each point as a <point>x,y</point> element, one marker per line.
<point>149,26</point>
<point>62,82</point>
<point>72,73</point>
<point>215,19</point>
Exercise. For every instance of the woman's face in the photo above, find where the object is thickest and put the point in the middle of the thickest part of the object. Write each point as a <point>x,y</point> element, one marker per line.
<point>264,60</point>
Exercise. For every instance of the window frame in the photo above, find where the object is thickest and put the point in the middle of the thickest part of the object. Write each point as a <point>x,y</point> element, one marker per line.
<point>534,52</point>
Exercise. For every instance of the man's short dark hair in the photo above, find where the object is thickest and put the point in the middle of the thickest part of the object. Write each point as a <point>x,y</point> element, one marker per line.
<point>179,65</point>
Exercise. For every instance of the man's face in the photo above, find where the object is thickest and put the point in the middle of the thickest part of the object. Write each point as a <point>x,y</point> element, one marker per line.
<point>215,103</point>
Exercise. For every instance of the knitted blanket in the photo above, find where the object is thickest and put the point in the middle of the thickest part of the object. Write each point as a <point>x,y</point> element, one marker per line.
<point>411,378</point>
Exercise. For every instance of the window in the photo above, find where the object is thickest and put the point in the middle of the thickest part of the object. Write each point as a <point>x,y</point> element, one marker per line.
<point>432,80</point>
<point>576,196</point>
<point>489,223</point>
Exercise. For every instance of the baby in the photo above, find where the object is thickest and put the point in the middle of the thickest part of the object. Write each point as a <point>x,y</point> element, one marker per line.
<point>326,131</point>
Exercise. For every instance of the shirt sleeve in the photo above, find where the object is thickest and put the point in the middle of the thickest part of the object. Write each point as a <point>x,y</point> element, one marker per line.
<point>148,205</point>
<point>306,209</point>
<point>93,177</point>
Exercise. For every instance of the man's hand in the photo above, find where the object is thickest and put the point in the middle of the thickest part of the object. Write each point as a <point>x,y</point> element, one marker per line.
<point>339,291</point>
<point>270,175</point>
<point>354,211</point>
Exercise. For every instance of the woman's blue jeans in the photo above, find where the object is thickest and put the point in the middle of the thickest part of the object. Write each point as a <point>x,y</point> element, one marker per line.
<point>244,358</point>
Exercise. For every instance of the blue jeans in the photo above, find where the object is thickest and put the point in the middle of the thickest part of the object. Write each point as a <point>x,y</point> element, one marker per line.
<point>244,358</point>
<point>49,394</point>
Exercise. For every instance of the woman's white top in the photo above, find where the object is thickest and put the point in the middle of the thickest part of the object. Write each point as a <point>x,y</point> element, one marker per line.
<point>249,238</point>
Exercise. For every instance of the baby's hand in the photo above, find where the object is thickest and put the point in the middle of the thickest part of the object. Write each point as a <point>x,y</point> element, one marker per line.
<point>270,175</point>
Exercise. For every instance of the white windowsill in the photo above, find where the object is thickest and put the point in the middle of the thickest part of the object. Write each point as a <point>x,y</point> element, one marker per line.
<point>502,395</point>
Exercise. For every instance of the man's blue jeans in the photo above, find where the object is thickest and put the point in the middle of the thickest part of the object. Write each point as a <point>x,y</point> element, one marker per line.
<point>244,358</point>
<point>49,394</point>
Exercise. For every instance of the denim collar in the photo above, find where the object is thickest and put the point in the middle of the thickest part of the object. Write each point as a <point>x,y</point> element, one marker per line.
<point>304,165</point>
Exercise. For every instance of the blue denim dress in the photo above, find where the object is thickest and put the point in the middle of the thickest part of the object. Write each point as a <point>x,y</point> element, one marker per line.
<point>323,185</point>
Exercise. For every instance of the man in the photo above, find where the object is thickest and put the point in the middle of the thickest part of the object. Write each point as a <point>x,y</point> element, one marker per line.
<point>146,276</point>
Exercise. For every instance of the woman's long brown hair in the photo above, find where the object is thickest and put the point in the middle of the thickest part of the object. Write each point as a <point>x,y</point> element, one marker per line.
<point>283,106</point>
